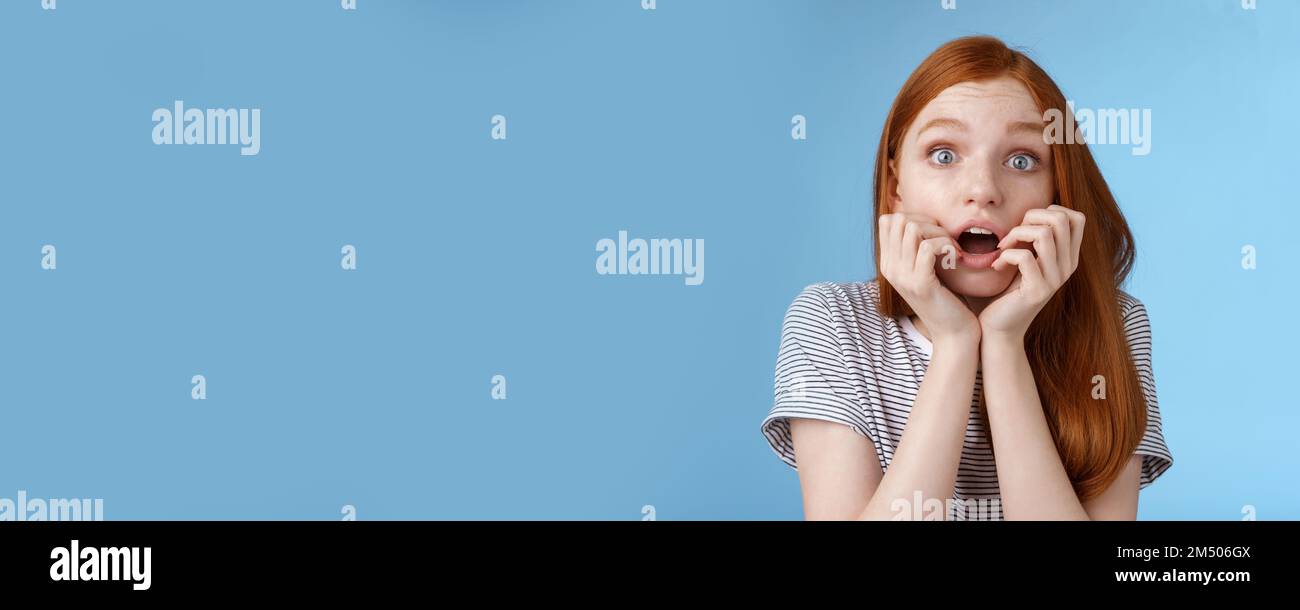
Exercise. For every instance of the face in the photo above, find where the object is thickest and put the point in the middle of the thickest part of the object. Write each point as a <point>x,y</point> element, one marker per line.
<point>974,161</point>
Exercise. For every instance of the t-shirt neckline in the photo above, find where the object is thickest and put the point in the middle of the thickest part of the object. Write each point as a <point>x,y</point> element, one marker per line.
<point>918,339</point>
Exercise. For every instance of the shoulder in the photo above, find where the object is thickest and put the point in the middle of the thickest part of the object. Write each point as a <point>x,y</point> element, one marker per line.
<point>1133,315</point>
<point>1130,306</point>
<point>1154,452</point>
<point>837,304</point>
<point>845,298</point>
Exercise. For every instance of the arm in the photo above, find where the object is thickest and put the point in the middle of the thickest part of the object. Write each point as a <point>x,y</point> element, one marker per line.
<point>1032,478</point>
<point>1033,481</point>
<point>1120,501</point>
<point>930,450</point>
<point>838,468</point>
<point>840,471</point>
<point>841,476</point>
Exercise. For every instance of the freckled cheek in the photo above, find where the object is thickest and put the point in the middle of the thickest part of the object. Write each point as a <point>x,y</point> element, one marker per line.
<point>1038,186</point>
<point>926,193</point>
<point>1024,196</point>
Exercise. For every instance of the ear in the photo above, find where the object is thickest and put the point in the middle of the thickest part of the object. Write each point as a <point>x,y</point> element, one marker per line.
<point>891,184</point>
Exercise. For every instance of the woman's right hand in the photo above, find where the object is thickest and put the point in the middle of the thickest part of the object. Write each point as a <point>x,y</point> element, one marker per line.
<point>910,247</point>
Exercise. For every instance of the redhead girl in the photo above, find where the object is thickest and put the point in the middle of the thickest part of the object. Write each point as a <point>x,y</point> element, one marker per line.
<point>993,369</point>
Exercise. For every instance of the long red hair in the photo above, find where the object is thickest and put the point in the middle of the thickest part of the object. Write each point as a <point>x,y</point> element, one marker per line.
<point>1079,333</point>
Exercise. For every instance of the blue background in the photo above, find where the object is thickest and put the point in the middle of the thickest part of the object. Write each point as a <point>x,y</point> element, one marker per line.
<point>476,257</point>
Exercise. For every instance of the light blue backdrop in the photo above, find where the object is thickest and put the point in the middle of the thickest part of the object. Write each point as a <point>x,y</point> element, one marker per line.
<point>476,257</point>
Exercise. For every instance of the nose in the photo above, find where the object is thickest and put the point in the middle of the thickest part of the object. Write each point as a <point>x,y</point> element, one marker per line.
<point>981,185</point>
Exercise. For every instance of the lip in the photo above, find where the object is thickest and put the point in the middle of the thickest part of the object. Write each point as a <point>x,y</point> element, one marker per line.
<point>967,260</point>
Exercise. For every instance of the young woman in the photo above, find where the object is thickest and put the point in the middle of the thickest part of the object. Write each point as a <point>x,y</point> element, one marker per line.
<point>995,325</point>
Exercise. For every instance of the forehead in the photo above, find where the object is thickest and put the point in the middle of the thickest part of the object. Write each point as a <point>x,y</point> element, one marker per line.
<point>1003,98</point>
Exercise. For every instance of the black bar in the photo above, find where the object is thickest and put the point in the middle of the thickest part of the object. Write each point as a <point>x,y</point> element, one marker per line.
<point>323,558</point>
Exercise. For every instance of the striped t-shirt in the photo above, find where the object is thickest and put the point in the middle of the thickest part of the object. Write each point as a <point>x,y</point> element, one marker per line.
<point>841,361</point>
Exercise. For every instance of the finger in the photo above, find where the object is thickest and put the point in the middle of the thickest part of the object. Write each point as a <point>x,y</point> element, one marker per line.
<point>883,228</point>
<point>929,226</point>
<point>936,249</point>
<point>1077,220</point>
<point>1044,244</point>
<point>896,233</point>
<point>1031,277</point>
<point>1056,218</point>
<point>907,249</point>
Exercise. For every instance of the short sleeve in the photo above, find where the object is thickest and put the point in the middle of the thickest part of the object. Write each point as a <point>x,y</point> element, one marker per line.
<point>1156,457</point>
<point>812,378</point>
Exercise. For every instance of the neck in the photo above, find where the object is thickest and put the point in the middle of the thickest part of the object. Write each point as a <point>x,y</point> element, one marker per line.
<point>976,304</point>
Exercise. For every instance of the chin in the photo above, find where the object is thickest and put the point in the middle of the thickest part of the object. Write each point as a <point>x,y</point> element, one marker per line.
<point>982,283</point>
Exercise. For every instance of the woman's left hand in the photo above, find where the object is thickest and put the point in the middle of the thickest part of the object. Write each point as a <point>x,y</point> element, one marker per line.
<point>1055,233</point>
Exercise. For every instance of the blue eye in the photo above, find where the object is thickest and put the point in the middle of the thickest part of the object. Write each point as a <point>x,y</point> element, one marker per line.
<point>1023,162</point>
<point>943,156</point>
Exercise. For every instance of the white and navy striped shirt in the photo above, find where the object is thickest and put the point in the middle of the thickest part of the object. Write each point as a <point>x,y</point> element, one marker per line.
<point>841,361</point>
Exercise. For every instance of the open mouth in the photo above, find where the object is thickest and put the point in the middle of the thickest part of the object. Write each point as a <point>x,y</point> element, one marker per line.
<point>977,240</point>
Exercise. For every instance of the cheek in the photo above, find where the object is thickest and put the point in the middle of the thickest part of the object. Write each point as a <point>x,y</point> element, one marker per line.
<point>922,193</point>
<point>1030,194</point>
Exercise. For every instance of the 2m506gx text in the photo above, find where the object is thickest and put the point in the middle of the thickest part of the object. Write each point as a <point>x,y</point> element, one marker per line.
<point>1209,552</point>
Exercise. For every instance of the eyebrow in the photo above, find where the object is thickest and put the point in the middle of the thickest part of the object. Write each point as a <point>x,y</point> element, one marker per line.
<point>1034,127</point>
<point>942,122</point>
<point>1015,127</point>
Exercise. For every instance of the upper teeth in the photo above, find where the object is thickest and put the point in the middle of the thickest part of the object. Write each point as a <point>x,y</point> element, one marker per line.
<point>979,231</point>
